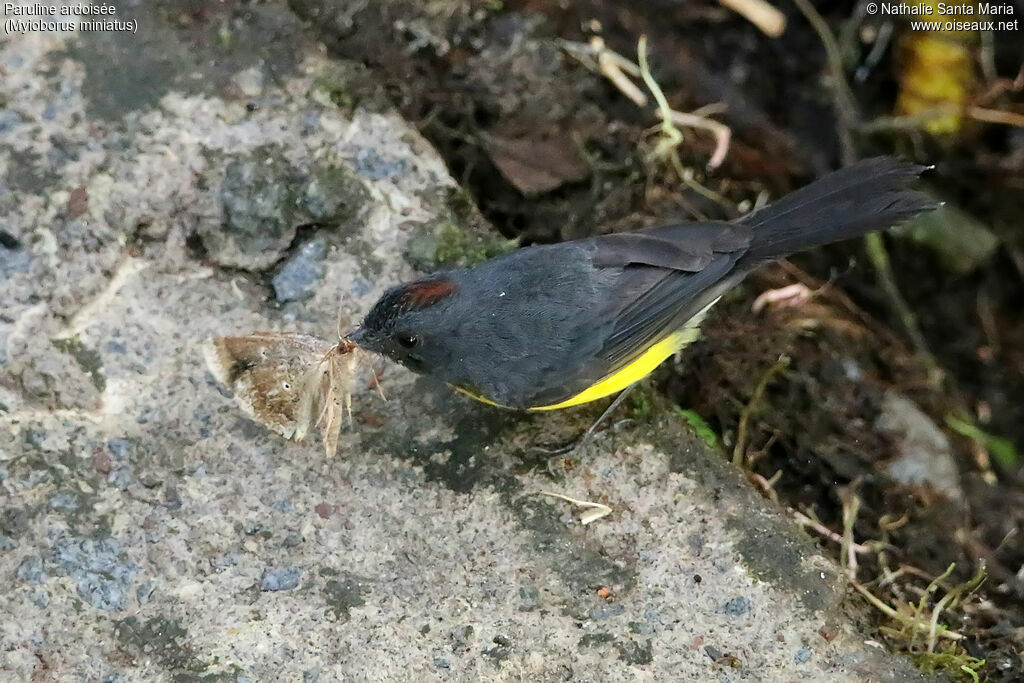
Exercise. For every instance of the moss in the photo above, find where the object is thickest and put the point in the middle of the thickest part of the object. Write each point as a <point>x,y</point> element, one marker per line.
<point>159,638</point>
<point>344,593</point>
<point>334,195</point>
<point>701,428</point>
<point>641,402</point>
<point>632,652</point>
<point>88,360</point>
<point>954,662</point>
<point>348,85</point>
<point>336,89</point>
<point>596,639</point>
<point>460,237</point>
<point>445,245</point>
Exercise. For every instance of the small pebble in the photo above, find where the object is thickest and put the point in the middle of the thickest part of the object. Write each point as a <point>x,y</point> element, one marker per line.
<point>736,607</point>
<point>281,579</point>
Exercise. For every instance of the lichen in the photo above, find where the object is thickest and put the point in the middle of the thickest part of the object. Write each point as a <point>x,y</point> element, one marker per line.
<point>88,359</point>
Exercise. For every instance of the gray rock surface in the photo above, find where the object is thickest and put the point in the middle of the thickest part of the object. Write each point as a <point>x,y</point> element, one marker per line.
<point>149,531</point>
<point>924,454</point>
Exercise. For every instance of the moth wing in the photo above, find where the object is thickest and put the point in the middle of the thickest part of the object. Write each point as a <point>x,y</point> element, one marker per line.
<point>341,379</point>
<point>267,373</point>
<point>311,399</point>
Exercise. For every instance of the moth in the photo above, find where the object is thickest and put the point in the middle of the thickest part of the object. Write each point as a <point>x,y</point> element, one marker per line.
<point>289,382</point>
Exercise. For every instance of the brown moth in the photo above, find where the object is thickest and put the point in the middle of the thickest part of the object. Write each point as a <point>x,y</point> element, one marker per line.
<point>288,382</point>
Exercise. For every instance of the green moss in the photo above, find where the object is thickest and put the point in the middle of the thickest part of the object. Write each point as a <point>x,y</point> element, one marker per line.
<point>641,402</point>
<point>88,359</point>
<point>596,639</point>
<point>159,638</point>
<point>632,652</point>
<point>348,85</point>
<point>333,195</point>
<point>460,236</point>
<point>344,593</point>
<point>445,245</point>
<point>701,428</point>
<point>955,663</point>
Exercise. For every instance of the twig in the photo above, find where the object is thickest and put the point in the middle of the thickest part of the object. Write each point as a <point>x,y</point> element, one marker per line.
<point>722,133</point>
<point>843,101</point>
<point>915,121</point>
<point>672,136</point>
<point>617,69</point>
<point>766,485</point>
<point>766,17</point>
<point>755,399</point>
<point>851,506</point>
<point>612,66</point>
<point>839,296</point>
<point>879,257</point>
<point>815,525</point>
<point>1006,118</point>
<point>796,294</point>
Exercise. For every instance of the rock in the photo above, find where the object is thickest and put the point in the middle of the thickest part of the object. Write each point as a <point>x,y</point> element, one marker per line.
<point>462,635</point>
<point>607,611</point>
<point>13,259</point>
<point>528,598</point>
<point>101,574</point>
<point>369,163</point>
<point>298,277</point>
<point>281,579</point>
<point>962,242</point>
<point>260,211</point>
<point>925,457</point>
<point>343,594</point>
<point>736,607</point>
<point>264,200</point>
<point>333,195</point>
<point>31,570</point>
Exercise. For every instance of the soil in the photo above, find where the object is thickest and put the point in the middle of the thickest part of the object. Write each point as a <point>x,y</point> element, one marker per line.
<point>551,151</point>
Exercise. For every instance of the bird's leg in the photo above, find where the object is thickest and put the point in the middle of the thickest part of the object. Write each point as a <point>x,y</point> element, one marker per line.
<point>568,448</point>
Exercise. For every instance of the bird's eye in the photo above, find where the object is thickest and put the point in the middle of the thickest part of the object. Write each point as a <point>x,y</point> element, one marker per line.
<point>408,340</point>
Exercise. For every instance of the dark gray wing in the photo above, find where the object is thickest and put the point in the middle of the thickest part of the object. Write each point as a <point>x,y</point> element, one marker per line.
<point>670,273</point>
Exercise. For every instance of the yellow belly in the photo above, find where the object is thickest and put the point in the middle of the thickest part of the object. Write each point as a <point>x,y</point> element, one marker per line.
<point>629,374</point>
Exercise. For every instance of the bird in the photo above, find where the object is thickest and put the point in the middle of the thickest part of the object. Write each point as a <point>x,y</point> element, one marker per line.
<point>553,326</point>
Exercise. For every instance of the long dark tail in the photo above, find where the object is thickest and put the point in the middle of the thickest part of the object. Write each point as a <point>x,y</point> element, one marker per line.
<point>870,195</point>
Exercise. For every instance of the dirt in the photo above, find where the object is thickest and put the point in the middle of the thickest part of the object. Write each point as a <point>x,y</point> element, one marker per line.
<point>551,151</point>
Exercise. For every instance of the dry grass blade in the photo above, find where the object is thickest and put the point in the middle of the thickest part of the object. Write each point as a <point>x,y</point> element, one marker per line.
<point>755,400</point>
<point>760,13</point>
<point>620,71</point>
<point>596,511</point>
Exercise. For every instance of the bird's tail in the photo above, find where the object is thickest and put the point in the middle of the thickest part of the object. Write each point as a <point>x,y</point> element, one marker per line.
<point>870,195</point>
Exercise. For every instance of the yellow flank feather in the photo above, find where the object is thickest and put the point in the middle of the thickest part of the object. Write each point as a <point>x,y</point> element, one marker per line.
<point>633,372</point>
<point>644,364</point>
